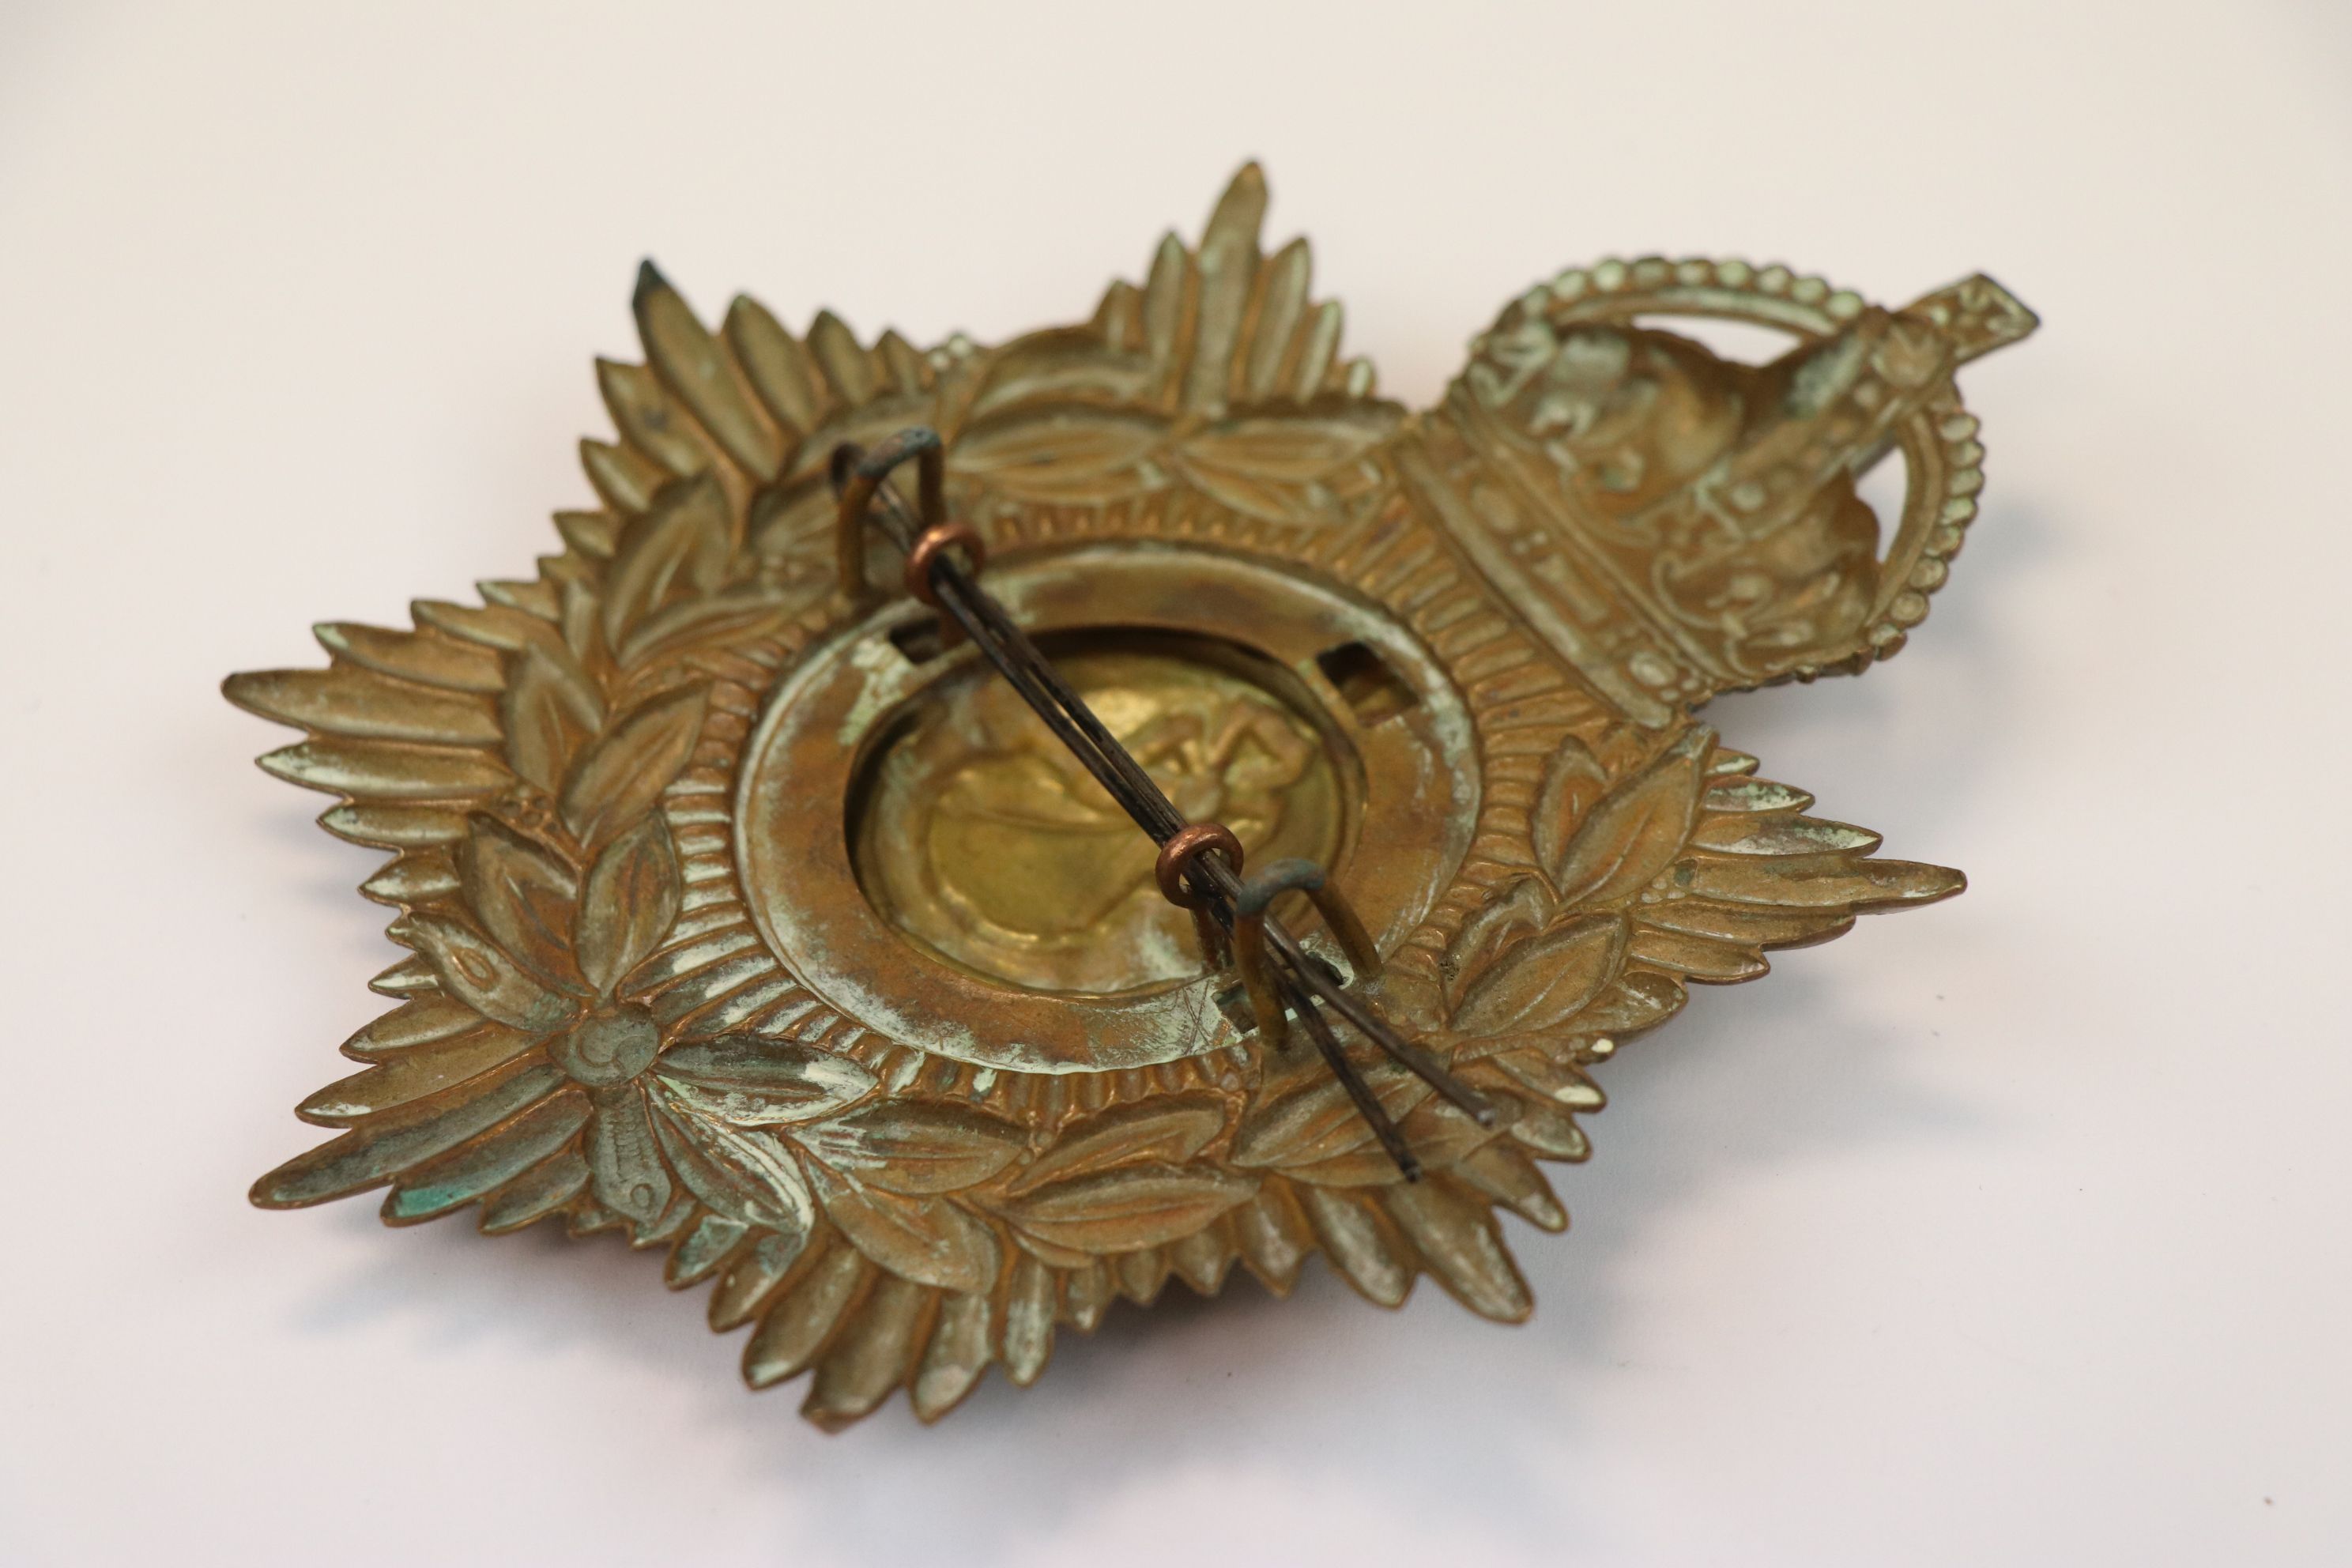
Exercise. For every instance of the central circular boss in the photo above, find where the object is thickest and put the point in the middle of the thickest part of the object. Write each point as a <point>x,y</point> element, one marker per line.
<point>984,839</point>
<point>925,856</point>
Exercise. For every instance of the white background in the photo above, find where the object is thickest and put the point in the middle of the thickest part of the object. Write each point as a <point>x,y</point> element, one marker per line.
<point>2012,1230</point>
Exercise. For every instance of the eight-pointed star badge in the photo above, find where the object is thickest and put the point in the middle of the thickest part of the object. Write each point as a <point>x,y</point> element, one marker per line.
<point>752,920</point>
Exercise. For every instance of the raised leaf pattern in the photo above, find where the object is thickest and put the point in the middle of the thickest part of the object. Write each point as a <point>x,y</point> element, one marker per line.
<point>1637,829</point>
<point>630,900</point>
<point>1132,1206</point>
<point>930,1240</point>
<point>751,1081</point>
<point>745,1173</point>
<point>916,1146</point>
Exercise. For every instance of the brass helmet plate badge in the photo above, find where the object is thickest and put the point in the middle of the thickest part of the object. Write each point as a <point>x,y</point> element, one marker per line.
<point>755,920</point>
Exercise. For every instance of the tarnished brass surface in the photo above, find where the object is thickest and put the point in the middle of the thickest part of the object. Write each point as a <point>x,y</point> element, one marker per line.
<point>982,836</point>
<point>835,723</point>
<point>746,920</point>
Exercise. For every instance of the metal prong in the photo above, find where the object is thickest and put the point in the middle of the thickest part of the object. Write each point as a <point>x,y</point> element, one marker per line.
<point>1367,1104</point>
<point>858,474</point>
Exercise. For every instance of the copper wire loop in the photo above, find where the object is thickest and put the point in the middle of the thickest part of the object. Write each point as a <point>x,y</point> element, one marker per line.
<point>927,547</point>
<point>1176,859</point>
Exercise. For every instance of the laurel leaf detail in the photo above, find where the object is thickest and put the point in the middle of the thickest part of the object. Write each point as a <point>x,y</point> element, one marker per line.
<point>1639,1000</point>
<point>548,709</point>
<point>1638,829</point>
<point>1062,366</point>
<point>1273,500</point>
<point>751,1081</point>
<point>680,628</point>
<point>623,480</point>
<point>680,545</point>
<point>1438,1132</point>
<point>416,1022</point>
<point>1173,1128</point>
<point>522,895</point>
<point>499,627</point>
<point>1544,980</point>
<point>1487,935</point>
<point>481,974</point>
<point>1130,1208</point>
<point>1573,781</point>
<point>629,902</point>
<point>1294,445</point>
<point>1746,795</point>
<point>931,1241</point>
<point>1756,925</point>
<point>1530,1068</point>
<point>1551,1132</point>
<point>389,827</point>
<point>746,1174</point>
<point>1058,451</point>
<point>625,771</point>
<point>1320,1120</point>
<point>1289,464</point>
<point>916,1146</point>
<point>1051,1252</point>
